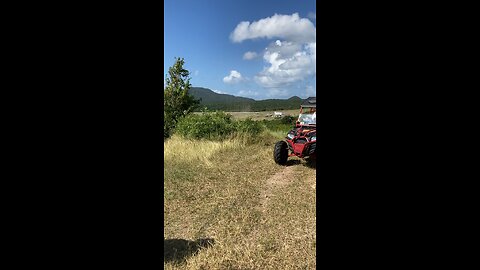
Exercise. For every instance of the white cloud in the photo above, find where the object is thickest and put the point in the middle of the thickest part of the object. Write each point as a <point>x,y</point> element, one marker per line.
<point>312,16</point>
<point>289,58</point>
<point>234,77</point>
<point>287,64</point>
<point>288,27</point>
<point>292,57</point>
<point>249,55</point>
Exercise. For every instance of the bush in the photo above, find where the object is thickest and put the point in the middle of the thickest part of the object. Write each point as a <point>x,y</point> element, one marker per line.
<point>288,120</point>
<point>215,126</point>
<point>206,125</point>
<point>248,126</point>
<point>278,125</point>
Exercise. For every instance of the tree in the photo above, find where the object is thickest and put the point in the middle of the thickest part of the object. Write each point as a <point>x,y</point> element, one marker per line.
<point>177,101</point>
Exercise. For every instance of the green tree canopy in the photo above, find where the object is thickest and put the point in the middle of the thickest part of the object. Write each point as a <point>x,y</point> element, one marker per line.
<point>177,101</point>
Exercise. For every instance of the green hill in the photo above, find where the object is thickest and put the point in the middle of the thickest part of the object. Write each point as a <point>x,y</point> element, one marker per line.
<point>230,103</point>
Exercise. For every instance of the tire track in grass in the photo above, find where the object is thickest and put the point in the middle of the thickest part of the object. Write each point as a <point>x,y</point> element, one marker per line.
<point>273,183</point>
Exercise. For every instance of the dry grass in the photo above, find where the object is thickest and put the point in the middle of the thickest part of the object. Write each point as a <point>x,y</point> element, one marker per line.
<point>201,151</point>
<point>255,213</point>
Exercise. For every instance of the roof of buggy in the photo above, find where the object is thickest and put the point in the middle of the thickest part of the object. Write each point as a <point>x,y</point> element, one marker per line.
<point>310,102</point>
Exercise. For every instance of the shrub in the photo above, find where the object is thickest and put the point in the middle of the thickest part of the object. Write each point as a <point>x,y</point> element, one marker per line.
<point>288,120</point>
<point>207,125</point>
<point>277,125</point>
<point>215,126</point>
<point>248,126</point>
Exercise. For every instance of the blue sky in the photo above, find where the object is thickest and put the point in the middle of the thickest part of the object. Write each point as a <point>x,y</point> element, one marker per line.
<point>258,49</point>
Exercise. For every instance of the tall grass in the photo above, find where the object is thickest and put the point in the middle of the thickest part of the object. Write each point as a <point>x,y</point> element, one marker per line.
<point>260,215</point>
<point>179,149</point>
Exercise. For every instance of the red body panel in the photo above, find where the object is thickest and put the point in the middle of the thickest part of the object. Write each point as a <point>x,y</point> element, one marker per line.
<point>301,142</point>
<point>298,148</point>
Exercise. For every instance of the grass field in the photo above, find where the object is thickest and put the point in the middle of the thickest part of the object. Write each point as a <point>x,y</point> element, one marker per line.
<point>229,206</point>
<point>260,115</point>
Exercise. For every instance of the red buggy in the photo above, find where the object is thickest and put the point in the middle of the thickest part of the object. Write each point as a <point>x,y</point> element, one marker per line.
<point>301,141</point>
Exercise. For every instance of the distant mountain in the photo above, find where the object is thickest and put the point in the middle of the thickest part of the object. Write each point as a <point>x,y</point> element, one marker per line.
<point>230,103</point>
<point>208,96</point>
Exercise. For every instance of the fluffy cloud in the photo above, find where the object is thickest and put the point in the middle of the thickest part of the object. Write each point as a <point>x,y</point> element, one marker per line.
<point>249,55</point>
<point>234,77</point>
<point>312,16</point>
<point>288,27</point>
<point>291,58</point>
<point>288,63</point>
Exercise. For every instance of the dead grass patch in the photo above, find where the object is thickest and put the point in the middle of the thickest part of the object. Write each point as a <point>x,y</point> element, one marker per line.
<point>214,190</point>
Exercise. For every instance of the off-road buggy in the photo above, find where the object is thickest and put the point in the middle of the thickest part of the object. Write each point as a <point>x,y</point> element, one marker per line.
<point>301,141</point>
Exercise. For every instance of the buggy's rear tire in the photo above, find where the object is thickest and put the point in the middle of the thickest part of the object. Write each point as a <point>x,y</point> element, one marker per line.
<point>280,153</point>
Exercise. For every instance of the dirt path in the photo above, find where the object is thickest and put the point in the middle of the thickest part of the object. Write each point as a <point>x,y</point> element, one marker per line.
<point>279,179</point>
